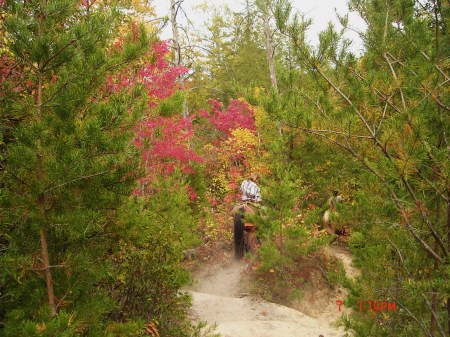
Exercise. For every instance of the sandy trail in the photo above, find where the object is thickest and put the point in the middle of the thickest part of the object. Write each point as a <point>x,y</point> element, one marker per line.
<point>343,254</point>
<point>220,295</point>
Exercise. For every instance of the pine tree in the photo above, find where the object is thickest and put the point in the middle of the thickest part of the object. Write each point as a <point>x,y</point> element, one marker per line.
<point>233,45</point>
<point>386,109</point>
<point>68,164</point>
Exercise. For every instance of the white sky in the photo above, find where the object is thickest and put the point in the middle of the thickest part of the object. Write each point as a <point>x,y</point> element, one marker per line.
<point>320,11</point>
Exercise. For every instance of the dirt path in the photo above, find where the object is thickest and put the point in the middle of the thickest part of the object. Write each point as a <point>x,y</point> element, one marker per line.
<point>220,295</point>
<point>319,300</point>
<point>344,255</point>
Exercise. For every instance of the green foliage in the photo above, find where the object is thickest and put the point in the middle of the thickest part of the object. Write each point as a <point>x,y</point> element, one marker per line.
<point>147,261</point>
<point>172,105</point>
<point>286,241</point>
<point>381,108</point>
<point>337,276</point>
<point>233,59</point>
<point>69,169</point>
<point>313,217</point>
<point>270,257</point>
<point>127,329</point>
<point>356,240</point>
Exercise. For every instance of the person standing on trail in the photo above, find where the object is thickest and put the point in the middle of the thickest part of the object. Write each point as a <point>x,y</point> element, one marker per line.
<point>331,212</point>
<point>334,201</point>
<point>244,231</point>
<point>250,190</point>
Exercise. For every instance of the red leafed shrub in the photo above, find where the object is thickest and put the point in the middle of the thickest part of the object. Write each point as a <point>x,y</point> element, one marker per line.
<point>159,78</point>
<point>156,74</point>
<point>165,145</point>
<point>237,115</point>
<point>162,141</point>
<point>12,78</point>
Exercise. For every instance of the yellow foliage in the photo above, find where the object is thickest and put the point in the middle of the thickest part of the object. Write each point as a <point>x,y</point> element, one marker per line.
<point>204,6</point>
<point>243,138</point>
<point>265,126</point>
<point>261,167</point>
<point>41,327</point>
<point>257,92</point>
<point>144,7</point>
<point>261,117</point>
<point>220,183</point>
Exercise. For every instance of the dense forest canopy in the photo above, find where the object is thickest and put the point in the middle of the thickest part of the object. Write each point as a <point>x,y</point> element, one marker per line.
<point>120,151</point>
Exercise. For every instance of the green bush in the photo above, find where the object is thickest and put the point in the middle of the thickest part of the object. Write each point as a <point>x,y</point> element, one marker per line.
<point>356,240</point>
<point>270,256</point>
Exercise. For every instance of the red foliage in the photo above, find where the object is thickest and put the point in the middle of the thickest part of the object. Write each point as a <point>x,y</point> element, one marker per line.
<point>191,193</point>
<point>162,141</point>
<point>165,145</point>
<point>157,75</point>
<point>159,78</point>
<point>237,115</point>
<point>87,3</point>
<point>12,78</point>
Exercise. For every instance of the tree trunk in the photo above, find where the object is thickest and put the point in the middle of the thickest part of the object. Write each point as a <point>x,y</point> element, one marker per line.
<point>48,273</point>
<point>41,205</point>
<point>39,176</point>
<point>269,51</point>
<point>270,56</point>
<point>177,49</point>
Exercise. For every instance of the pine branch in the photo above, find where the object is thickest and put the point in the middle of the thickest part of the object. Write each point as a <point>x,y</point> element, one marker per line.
<point>433,312</point>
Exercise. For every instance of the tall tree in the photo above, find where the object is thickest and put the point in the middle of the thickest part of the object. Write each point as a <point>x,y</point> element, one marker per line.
<point>388,110</point>
<point>69,159</point>
<point>265,7</point>
<point>233,44</point>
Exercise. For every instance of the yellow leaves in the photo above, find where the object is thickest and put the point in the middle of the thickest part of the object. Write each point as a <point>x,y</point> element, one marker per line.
<point>220,183</point>
<point>71,318</point>
<point>243,138</point>
<point>41,327</point>
<point>143,7</point>
<point>258,91</point>
<point>360,66</point>
<point>261,167</point>
<point>208,147</point>
<point>403,153</point>
<point>242,143</point>
<point>261,117</point>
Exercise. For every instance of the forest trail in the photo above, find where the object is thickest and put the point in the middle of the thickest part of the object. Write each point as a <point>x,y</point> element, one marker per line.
<point>220,295</point>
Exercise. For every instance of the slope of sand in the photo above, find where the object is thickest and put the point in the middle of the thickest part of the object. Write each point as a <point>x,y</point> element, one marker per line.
<point>220,296</point>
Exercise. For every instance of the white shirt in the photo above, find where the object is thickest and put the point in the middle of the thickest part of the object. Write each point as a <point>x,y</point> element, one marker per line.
<point>250,191</point>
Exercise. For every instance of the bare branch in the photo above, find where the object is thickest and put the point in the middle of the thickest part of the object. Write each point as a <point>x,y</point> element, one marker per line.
<point>347,134</point>
<point>413,231</point>
<point>422,294</point>
<point>75,180</point>
<point>396,78</point>
<point>350,102</point>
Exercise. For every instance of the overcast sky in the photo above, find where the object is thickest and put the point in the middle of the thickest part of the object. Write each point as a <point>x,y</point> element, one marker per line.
<point>320,11</point>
